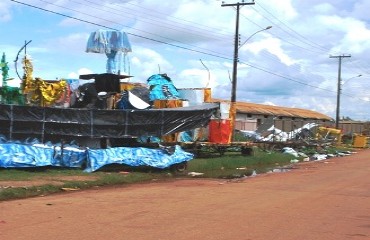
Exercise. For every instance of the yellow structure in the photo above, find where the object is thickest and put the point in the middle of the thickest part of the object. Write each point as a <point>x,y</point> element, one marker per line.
<point>360,141</point>
<point>327,133</point>
<point>168,103</point>
<point>38,91</point>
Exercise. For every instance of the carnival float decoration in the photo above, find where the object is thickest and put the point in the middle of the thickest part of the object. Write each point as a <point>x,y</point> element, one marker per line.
<point>9,94</point>
<point>50,126</point>
<point>112,44</point>
<point>40,92</point>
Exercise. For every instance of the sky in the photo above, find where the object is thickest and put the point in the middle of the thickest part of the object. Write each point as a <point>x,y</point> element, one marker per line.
<point>294,63</point>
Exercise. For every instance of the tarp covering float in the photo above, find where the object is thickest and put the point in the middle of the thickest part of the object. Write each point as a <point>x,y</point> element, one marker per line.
<point>39,122</point>
<point>158,158</point>
<point>15,155</point>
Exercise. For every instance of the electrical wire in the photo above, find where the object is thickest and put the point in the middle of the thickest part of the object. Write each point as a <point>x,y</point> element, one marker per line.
<point>305,39</point>
<point>171,44</point>
<point>115,29</point>
<point>150,19</point>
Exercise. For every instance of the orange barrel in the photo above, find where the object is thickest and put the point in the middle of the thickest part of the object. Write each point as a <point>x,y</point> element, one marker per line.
<point>220,131</point>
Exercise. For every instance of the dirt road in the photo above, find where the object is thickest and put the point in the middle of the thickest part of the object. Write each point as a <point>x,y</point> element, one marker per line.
<point>318,200</point>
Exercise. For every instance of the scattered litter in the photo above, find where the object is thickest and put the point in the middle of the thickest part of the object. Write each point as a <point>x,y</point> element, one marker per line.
<point>291,151</point>
<point>319,157</point>
<point>301,154</point>
<point>194,174</point>
<point>70,189</point>
<point>241,168</point>
<point>294,161</point>
<point>344,154</point>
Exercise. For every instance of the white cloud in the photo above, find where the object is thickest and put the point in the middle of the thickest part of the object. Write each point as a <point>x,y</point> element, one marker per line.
<point>354,34</point>
<point>81,71</point>
<point>5,14</point>
<point>361,10</point>
<point>272,45</point>
<point>269,103</point>
<point>288,65</point>
<point>324,8</point>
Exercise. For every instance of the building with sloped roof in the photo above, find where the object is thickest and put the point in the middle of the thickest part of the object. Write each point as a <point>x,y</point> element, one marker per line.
<point>252,116</point>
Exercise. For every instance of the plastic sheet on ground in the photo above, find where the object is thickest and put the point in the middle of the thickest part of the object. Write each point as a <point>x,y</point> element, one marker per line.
<point>13,155</point>
<point>16,155</point>
<point>158,158</point>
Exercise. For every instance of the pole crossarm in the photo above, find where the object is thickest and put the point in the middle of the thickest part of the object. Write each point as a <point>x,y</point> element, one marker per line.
<point>236,4</point>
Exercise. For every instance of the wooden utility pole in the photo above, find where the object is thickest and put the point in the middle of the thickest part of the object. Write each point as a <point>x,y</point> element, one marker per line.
<point>337,116</point>
<point>238,5</point>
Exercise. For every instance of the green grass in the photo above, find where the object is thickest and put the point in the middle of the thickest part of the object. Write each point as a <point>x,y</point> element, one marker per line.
<point>27,174</point>
<point>86,180</point>
<point>233,164</point>
<point>230,165</point>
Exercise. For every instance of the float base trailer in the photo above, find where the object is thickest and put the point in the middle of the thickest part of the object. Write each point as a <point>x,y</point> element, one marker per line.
<point>245,148</point>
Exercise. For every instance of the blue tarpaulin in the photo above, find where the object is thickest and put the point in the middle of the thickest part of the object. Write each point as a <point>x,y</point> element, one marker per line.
<point>19,155</point>
<point>158,158</point>
<point>161,87</point>
<point>16,155</point>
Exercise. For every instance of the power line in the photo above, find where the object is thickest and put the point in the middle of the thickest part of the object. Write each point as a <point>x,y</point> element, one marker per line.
<point>285,77</point>
<point>177,46</point>
<point>115,29</point>
<point>120,24</point>
<point>283,40</point>
<point>153,20</point>
<point>194,24</point>
<point>308,41</point>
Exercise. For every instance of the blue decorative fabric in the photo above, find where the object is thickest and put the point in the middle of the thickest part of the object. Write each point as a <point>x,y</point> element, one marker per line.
<point>161,88</point>
<point>139,156</point>
<point>19,156</point>
<point>109,42</point>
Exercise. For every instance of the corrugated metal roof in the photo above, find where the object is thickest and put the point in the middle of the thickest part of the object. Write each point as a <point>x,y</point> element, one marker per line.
<point>261,109</point>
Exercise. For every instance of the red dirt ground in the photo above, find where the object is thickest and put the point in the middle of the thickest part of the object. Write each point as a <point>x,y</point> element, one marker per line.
<point>319,200</point>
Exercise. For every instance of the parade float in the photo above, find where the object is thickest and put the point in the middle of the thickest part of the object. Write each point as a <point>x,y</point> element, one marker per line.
<point>70,123</point>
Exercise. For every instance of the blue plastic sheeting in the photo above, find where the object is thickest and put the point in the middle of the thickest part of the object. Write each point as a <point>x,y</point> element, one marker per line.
<point>20,156</point>
<point>158,158</point>
<point>161,88</point>
<point>16,155</point>
<point>107,41</point>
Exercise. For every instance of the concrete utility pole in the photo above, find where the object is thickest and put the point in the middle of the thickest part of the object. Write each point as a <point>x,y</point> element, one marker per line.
<point>238,5</point>
<point>337,116</point>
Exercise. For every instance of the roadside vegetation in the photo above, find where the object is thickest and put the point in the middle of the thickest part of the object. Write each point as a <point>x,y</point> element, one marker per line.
<point>230,164</point>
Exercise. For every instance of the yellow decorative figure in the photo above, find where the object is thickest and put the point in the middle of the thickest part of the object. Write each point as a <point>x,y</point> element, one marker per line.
<point>38,91</point>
